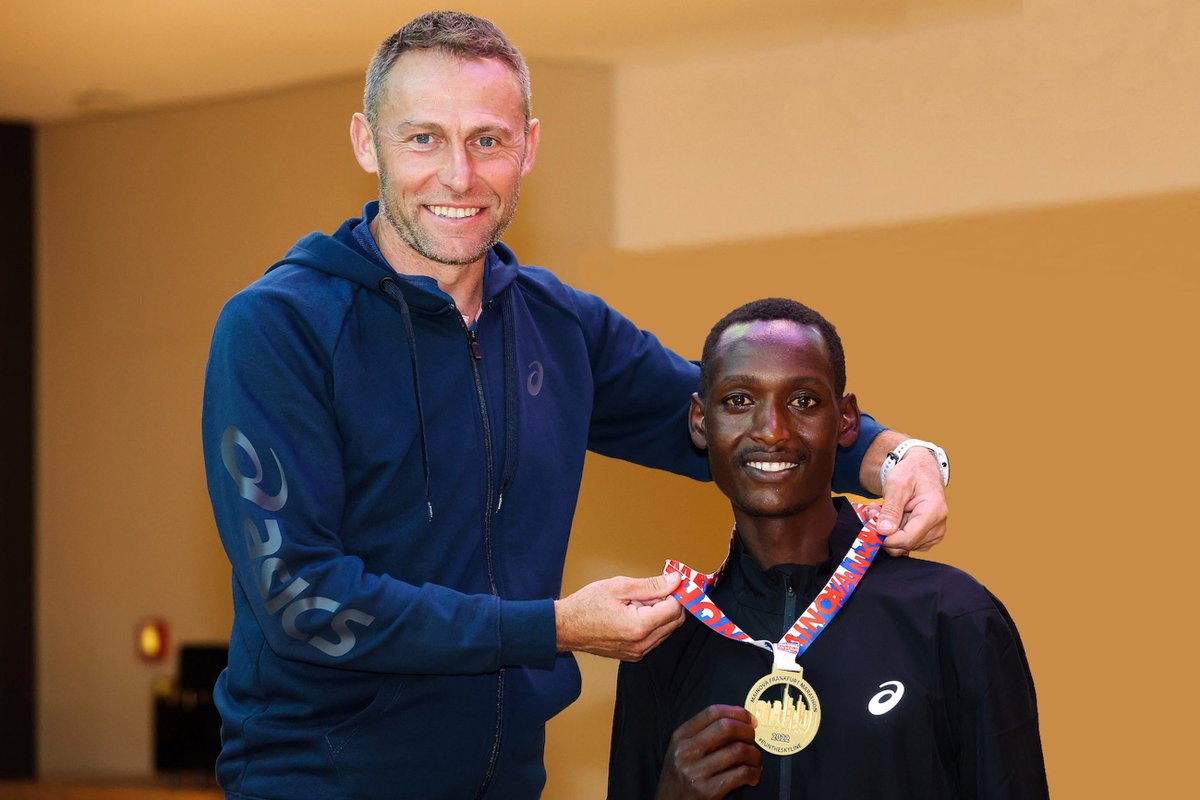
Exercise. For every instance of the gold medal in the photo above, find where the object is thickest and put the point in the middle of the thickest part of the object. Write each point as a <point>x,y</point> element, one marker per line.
<point>785,707</point>
<point>787,718</point>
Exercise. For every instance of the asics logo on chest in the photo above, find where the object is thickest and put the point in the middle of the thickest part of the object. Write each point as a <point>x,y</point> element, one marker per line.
<point>536,374</point>
<point>889,698</point>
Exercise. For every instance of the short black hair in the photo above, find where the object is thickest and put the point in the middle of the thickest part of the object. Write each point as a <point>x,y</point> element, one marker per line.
<point>766,310</point>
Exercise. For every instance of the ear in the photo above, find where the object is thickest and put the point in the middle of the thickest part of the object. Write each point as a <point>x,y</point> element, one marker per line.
<point>848,427</point>
<point>696,422</point>
<point>363,143</point>
<point>531,145</point>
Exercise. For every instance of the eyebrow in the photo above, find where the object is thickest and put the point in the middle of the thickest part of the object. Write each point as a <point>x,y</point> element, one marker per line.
<point>748,378</point>
<point>478,130</point>
<point>736,379</point>
<point>726,383</point>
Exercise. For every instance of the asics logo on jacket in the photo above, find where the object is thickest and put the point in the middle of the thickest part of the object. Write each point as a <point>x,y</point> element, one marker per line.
<point>886,700</point>
<point>274,571</point>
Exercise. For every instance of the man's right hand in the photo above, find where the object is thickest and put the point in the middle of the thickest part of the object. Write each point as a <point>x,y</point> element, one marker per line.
<point>710,755</point>
<point>621,618</point>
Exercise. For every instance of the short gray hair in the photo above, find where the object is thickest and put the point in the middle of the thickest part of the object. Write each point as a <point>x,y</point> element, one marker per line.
<point>453,33</point>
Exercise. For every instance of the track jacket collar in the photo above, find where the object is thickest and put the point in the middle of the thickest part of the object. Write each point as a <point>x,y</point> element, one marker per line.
<point>351,253</point>
<point>765,590</point>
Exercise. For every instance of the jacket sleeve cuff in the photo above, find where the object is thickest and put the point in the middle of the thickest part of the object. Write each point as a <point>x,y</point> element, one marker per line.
<point>527,633</point>
<point>849,459</point>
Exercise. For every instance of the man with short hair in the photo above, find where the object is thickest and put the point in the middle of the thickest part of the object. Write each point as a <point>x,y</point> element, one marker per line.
<point>803,670</point>
<point>395,422</point>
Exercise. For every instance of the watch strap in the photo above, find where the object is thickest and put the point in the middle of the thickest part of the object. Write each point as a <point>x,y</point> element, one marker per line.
<point>893,458</point>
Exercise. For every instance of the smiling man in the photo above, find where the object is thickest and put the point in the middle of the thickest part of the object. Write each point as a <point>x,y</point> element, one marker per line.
<point>804,671</point>
<point>450,139</point>
<point>395,422</point>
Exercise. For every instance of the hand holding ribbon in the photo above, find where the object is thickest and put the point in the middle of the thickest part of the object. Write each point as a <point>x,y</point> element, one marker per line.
<point>619,617</point>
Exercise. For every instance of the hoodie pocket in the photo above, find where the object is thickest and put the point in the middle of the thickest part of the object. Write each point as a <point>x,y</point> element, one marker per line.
<point>344,735</point>
<point>427,736</point>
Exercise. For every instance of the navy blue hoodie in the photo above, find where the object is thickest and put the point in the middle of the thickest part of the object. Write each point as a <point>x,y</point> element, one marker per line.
<point>395,493</point>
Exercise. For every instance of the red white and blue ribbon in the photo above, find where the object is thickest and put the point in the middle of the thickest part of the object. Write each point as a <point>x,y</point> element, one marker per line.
<point>692,594</point>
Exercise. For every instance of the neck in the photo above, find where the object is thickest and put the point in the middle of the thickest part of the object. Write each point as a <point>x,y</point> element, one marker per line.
<point>800,538</point>
<point>463,282</point>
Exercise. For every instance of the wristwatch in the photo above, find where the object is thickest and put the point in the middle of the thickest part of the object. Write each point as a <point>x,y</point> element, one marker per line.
<point>893,458</point>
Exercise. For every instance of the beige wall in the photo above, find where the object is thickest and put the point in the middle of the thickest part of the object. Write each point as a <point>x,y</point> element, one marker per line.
<point>960,108</point>
<point>1045,348</point>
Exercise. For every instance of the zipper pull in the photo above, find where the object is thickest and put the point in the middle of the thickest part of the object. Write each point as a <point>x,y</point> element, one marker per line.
<point>476,350</point>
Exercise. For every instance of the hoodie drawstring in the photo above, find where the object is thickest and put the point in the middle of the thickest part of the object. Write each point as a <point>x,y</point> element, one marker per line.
<point>389,287</point>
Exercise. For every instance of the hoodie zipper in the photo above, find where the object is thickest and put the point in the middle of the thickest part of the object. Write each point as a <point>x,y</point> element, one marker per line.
<point>785,764</point>
<point>476,356</point>
<point>391,288</point>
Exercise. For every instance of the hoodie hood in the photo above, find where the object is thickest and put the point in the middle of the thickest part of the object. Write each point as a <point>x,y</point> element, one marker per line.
<point>344,255</point>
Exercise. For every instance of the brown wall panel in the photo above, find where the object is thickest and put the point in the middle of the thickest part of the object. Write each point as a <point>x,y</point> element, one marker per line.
<point>17,678</point>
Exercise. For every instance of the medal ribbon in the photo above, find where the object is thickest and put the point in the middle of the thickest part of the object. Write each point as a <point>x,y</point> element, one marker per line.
<point>692,594</point>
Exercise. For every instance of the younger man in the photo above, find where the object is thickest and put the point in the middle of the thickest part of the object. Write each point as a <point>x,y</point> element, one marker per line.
<point>919,688</point>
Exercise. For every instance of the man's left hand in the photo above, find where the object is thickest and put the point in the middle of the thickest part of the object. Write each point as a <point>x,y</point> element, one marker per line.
<point>914,504</point>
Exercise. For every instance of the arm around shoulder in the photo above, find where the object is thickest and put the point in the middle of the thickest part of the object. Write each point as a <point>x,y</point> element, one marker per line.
<point>914,509</point>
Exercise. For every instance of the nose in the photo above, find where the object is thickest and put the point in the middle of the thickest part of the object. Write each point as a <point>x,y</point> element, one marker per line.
<point>770,424</point>
<point>457,172</point>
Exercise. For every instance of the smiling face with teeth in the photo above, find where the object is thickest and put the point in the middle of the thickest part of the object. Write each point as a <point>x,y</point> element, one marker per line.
<point>450,147</point>
<point>771,422</point>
